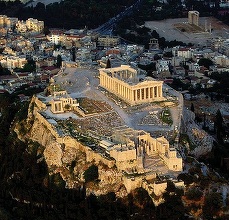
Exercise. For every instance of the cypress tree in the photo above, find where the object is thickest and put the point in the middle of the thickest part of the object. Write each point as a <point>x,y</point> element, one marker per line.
<point>192,108</point>
<point>108,65</point>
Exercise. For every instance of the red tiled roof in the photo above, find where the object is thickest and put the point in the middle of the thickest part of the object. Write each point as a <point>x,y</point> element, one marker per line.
<point>56,31</point>
<point>223,12</point>
<point>168,80</point>
<point>3,91</point>
<point>75,36</point>
<point>183,49</point>
<point>113,51</point>
<point>49,68</point>
<point>8,77</point>
<point>23,74</point>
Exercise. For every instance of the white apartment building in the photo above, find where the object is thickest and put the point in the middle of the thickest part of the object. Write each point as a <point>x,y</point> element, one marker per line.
<point>12,62</point>
<point>34,25</point>
<point>2,20</point>
<point>184,52</point>
<point>31,24</point>
<point>54,38</point>
<point>108,41</point>
<point>222,60</point>
<point>163,65</point>
<point>193,17</point>
<point>7,22</point>
<point>225,47</point>
<point>21,27</point>
<point>193,66</point>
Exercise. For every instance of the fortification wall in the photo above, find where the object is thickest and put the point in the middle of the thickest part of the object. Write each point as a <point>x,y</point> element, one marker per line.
<point>132,183</point>
<point>45,133</point>
<point>123,165</point>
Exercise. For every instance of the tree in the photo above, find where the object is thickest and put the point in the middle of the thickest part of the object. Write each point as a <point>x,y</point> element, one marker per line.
<point>194,194</point>
<point>212,205</point>
<point>205,62</point>
<point>91,173</point>
<point>30,66</point>
<point>67,107</point>
<point>154,34</point>
<point>173,207</point>
<point>168,54</point>
<point>192,107</point>
<point>218,125</point>
<point>46,30</point>
<point>156,57</point>
<point>58,61</point>
<point>73,54</point>
<point>108,64</point>
<point>4,71</point>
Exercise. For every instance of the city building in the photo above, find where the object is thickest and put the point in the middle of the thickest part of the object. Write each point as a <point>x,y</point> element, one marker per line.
<point>163,65</point>
<point>7,21</point>
<point>185,53</point>
<point>225,47</point>
<point>30,25</point>
<point>34,25</point>
<point>222,60</point>
<point>108,41</point>
<point>12,62</point>
<point>153,44</point>
<point>132,88</point>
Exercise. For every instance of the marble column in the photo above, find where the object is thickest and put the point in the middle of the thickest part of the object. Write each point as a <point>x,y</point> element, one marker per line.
<point>158,92</point>
<point>138,94</point>
<point>151,92</point>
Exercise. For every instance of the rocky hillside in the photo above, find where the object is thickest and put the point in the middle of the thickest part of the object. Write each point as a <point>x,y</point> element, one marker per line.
<point>66,156</point>
<point>44,176</point>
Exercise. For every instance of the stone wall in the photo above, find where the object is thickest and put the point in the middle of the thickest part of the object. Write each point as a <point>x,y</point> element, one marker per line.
<point>124,165</point>
<point>159,188</point>
<point>123,155</point>
<point>45,133</point>
<point>132,183</point>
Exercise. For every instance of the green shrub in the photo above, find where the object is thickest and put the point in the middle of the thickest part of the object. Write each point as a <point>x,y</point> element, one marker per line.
<point>194,194</point>
<point>91,173</point>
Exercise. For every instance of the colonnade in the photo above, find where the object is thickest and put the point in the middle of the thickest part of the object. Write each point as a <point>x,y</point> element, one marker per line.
<point>151,92</point>
<point>132,93</point>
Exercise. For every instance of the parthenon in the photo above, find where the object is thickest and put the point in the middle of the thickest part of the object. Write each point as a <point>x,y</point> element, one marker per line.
<point>125,82</point>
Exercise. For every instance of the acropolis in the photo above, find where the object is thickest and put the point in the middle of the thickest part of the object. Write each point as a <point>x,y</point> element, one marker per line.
<point>131,150</point>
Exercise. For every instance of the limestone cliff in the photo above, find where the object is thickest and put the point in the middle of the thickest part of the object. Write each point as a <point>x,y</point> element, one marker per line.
<point>65,155</point>
<point>202,140</point>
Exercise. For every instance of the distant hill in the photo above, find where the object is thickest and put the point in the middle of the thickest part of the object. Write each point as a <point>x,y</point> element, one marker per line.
<point>67,14</point>
<point>34,3</point>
